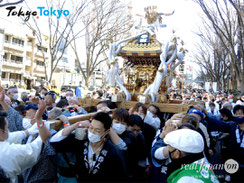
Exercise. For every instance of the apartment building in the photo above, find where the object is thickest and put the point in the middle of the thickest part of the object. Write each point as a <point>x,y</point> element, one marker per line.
<point>23,61</point>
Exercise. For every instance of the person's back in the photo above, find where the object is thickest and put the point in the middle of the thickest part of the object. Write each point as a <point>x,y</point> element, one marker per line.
<point>149,133</point>
<point>185,148</point>
<point>78,90</point>
<point>194,172</point>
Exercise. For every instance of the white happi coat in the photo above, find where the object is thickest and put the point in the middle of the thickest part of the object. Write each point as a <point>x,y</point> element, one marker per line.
<point>15,157</point>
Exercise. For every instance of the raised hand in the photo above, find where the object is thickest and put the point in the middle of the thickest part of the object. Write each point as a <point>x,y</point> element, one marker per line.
<point>2,94</point>
<point>41,110</point>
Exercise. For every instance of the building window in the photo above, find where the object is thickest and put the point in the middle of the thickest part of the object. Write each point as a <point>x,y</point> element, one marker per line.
<point>4,75</point>
<point>39,63</point>
<point>64,59</point>
<point>5,56</point>
<point>18,42</point>
<point>16,59</point>
<point>15,77</point>
<point>6,38</point>
<point>40,48</point>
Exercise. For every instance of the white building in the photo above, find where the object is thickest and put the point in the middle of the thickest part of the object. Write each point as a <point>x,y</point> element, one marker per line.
<point>23,60</point>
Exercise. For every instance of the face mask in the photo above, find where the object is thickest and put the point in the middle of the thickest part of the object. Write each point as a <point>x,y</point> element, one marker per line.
<point>63,94</point>
<point>119,128</point>
<point>170,155</point>
<point>142,116</point>
<point>149,114</point>
<point>149,118</point>
<point>68,97</point>
<point>42,96</point>
<point>93,138</point>
<point>26,123</point>
<point>230,100</point>
<point>15,96</point>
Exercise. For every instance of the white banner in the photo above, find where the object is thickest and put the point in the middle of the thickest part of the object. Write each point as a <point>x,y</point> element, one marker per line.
<point>214,86</point>
<point>207,86</point>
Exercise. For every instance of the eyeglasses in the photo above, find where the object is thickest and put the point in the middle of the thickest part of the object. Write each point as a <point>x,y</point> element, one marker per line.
<point>172,151</point>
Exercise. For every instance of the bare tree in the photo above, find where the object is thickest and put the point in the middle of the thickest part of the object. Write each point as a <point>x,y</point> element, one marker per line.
<point>110,23</point>
<point>226,18</point>
<point>212,58</point>
<point>10,3</point>
<point>59,33</point>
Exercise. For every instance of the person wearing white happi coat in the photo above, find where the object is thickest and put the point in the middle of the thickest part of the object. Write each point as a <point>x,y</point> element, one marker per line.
<point>15,157</point>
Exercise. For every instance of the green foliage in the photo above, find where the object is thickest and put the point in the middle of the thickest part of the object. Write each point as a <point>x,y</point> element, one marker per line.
<point>235,92</point>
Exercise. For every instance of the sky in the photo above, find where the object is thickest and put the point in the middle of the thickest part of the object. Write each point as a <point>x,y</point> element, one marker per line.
<point>185,20</point>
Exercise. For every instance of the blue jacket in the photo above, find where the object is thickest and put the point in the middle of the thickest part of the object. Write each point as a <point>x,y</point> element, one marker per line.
<point>228,127</point>
<point>78,91</point>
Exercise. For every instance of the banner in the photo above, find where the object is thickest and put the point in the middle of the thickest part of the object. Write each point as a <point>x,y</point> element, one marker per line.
<point>214,86</point>
<point>207,86</point>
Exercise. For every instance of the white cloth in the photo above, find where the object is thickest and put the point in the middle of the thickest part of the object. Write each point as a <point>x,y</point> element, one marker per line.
<point>216,106</point>
<point>239,102</point>
<point>185,140</point>
<point>58,137</point>
<point>154,122</point>
<point>215,112</point>
<point>187,179</point>
<point>159,153</point>
<point>17,157</point>
<point>16,137</point>
<point>205,132</point>
<point>90,156</point>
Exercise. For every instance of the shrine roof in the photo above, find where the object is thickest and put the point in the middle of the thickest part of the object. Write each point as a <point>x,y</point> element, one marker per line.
<point>136,47</point>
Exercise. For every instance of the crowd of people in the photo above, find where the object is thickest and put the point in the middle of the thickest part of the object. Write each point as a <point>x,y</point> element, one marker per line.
<point>141,144</point>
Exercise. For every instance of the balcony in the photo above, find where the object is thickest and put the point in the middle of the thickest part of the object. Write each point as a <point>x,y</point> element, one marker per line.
<point>40,68</point>
<point>12,63</point>
<point>11,70</point>
<point>27,73</point>
<point>35,74</point>
<point>4,79</point>
<point>14,46</point>
<point>39,53</point>
<point>15,80</point>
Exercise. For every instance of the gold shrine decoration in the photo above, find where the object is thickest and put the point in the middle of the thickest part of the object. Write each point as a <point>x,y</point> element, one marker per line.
<point>147,61</point>
<point>133,48</point>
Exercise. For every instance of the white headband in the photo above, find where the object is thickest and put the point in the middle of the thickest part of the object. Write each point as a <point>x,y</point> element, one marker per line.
<point>12,90</point>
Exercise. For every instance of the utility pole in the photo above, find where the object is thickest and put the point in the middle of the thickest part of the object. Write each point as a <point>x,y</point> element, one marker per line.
<point>1,52</point>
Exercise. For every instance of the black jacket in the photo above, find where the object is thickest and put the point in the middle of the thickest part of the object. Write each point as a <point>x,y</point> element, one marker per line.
<point>110,165</point>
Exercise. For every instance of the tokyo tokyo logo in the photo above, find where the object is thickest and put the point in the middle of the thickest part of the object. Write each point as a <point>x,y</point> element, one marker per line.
<point>41,11</point>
